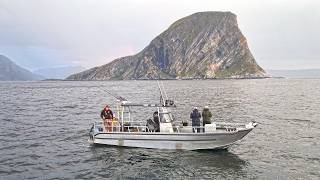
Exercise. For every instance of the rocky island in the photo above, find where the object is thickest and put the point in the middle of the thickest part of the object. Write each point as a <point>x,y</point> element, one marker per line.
<point>203,45</point>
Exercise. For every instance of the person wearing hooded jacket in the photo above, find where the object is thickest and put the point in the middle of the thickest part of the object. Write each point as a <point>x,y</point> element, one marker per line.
<point>206,116</point>
<point>107,116</point>
<point>195,116</point>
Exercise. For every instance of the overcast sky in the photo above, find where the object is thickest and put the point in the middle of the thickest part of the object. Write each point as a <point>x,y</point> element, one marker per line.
<point>282,34</point>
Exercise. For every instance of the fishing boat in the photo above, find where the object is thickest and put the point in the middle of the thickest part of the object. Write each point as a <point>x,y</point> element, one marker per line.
<point>167,133</point>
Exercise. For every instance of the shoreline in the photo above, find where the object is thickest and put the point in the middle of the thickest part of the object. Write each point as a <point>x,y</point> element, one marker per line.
<point>167,79</point>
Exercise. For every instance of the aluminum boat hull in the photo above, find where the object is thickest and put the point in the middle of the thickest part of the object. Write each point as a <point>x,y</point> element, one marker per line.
<point>179,141</point>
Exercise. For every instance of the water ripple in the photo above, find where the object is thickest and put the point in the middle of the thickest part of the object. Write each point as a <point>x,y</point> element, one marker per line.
<point>44,130</point>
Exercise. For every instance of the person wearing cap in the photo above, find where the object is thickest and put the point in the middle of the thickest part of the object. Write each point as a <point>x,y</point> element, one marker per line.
<point>107,116</point>
<point>195,116</point>
<point>206,116</point>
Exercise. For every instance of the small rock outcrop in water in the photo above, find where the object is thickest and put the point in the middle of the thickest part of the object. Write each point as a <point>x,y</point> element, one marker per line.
<point>9,71</point>
<point>202,45</point>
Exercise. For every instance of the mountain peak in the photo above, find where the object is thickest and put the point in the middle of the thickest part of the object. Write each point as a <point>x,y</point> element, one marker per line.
<point>5,59</point>
<point>202,45</point>
<point>9,71</point>
<point>206,18</point>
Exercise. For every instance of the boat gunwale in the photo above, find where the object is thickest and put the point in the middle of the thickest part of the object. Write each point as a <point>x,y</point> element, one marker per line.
<point>175,133</point>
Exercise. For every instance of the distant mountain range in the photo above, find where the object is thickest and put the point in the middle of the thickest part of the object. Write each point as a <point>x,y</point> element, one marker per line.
<point>299,73</point>
<point>9,71</point>
<point>58,72</point>
<point>202,45</point>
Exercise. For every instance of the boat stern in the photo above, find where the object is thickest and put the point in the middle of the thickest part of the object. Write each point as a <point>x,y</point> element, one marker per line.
<point>95,129</point>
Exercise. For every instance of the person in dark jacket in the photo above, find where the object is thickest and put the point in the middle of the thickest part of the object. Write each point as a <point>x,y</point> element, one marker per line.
<point>153,125</point>
<point>156,120</point>
<point>107,117</point>
<point>195,117</point>
<point>206,116</point>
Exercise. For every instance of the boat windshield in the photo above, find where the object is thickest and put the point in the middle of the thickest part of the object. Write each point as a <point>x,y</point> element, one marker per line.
<point>165,115</point>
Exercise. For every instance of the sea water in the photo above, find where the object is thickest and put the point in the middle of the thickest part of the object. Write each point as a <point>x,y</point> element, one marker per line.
<point>44,130</point>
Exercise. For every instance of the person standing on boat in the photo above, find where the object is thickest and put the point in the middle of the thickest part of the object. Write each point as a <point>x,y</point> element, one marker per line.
<point>156,120</point>
<point>206,116</point>
<point>107,116</point>
<point>195,117</point>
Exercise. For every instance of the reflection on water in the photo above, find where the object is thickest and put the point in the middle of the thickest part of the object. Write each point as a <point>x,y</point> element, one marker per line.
<point>148,163</point>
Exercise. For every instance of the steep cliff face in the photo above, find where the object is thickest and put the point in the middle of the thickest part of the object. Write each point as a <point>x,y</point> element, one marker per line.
<point>202,45</point>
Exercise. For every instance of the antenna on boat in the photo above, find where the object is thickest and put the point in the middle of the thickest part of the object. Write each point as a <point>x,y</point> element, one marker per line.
<point>165,93</point>
<point>161,95</point>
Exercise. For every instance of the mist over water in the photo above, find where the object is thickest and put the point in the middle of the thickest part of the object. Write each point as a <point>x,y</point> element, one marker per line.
<point>44,130</point>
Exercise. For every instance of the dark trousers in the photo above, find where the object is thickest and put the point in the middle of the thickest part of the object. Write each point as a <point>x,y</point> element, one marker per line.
<point>195,124</point>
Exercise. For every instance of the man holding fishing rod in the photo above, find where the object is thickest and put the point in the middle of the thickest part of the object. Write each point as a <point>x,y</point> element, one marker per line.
<point>107,117</point>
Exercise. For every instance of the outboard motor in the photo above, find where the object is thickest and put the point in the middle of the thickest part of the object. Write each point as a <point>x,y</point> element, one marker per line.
<point>91,132</point>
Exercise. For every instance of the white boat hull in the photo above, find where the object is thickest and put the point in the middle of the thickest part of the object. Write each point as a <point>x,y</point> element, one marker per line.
<point>185,141</point>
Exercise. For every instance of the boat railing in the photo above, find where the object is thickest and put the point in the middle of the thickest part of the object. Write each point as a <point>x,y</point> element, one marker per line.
<point>139,127</point>
<point>197,129</point>
<point>117,127</point>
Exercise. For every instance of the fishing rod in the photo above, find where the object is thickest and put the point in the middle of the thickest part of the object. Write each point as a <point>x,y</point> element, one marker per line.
<point>119,98</point>
<point>164,101</point>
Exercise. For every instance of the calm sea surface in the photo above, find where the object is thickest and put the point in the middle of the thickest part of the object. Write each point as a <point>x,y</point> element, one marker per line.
<point>44,130</point>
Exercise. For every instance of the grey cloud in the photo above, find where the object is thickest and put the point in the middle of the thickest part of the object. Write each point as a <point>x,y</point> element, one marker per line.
<point>93,32</point>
